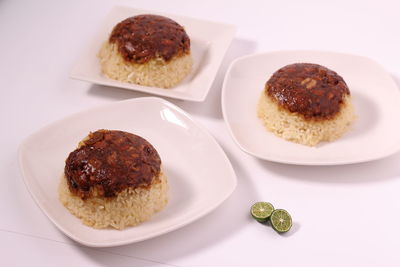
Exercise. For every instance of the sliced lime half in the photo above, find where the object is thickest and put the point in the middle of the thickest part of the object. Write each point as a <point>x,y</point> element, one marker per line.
<point>261,211</point>
<point>281,220</point>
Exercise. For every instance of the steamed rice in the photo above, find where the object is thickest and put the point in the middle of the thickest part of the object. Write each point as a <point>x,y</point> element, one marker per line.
<point>295,128</point>
<point>128,208</point>
<point>156,72</point>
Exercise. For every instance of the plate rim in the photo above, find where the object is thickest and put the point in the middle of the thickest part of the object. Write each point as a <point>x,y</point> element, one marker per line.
<point>30,183</point>
<point>231,28</point>
<point>389,153</point>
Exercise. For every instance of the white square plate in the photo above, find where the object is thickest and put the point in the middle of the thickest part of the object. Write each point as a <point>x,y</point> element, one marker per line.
<point>209,42</point>
<point>200,175</point>
<point>375,134</point>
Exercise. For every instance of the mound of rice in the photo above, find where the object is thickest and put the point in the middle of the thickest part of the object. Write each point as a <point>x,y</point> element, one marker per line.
<point>156,72</point>
<point>128,208</point>
<point>295,128</point>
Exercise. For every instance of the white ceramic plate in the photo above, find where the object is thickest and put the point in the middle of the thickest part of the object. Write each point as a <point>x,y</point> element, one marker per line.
<point>209,42</point>
<point>199,173</point>
<point>375,134</point>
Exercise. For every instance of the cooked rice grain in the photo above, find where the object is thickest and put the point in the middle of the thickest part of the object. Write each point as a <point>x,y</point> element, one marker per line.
<point>130,207</point>
<point>156,72</point>
<point>295,128</point>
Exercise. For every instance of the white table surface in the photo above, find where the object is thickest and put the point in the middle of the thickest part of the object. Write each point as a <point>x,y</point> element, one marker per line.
<point>343,215</point>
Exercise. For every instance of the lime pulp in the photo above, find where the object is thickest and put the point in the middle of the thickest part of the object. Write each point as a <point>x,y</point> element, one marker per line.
<point>261,211</point>
<point>281,220</point>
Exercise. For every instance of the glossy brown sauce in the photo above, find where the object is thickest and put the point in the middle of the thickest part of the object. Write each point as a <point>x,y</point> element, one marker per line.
<point>311,90</point>
<point>145,37</point>
<point>111,161</point>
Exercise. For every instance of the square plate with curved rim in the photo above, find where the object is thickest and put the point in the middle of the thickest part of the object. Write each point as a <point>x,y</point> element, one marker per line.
<point>374,135</point>
<point>184,147</point>
<point>209,42</point>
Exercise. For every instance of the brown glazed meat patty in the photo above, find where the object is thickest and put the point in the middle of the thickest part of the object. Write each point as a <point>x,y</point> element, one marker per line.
<point>311,90</point>
<point>111,161</point>
<point>145,37</point>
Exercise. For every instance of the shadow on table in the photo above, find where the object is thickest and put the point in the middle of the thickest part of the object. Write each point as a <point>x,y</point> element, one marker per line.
<point>368,172</point>
<point>396,80</point>
<point>211,107</point>
<point>227,220</point>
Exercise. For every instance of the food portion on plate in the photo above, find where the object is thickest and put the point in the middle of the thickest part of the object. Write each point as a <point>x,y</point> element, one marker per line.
<point>307,104</point>
<point>196,47</point>
<point>149,50</point>
<point>113,179</point>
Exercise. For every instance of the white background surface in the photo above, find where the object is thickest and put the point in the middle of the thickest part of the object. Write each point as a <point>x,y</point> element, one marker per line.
<point>343,215</point>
